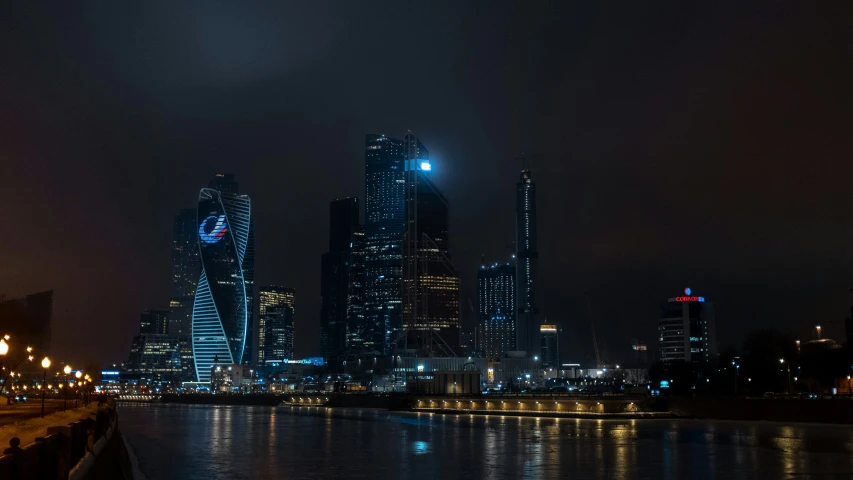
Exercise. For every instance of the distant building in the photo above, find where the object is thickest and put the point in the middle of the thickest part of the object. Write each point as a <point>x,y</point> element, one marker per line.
<point>222,311</point>
<point>154,321</point>
<point>186,268</point>
<point>430,281</point>
<point>27,320</point>
<point>496,295</point>
<point>335,276</point>
<point>276,307</point>
<point>527,263</point>
<point>228,378</point>
<point>641,354</point>
<point>550,355</point>
<point>154,355</point>
<point>687,330</point>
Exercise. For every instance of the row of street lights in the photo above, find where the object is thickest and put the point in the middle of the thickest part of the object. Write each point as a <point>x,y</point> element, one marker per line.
<point>45,364</point>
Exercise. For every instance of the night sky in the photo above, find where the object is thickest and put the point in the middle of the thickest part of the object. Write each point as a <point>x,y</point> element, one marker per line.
<point>672,145</point>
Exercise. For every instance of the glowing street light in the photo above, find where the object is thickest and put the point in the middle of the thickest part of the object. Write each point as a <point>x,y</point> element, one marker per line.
<point>4,347</point>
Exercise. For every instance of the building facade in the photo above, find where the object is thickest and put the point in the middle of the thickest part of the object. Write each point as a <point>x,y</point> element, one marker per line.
<point>356,322</point>
<point>384,226</point>
<point>496,295</point>
<point>334,276</point>
<point>430,323</point>
<point>186,268</point>
<point>687,330</point>
<point>550,353</point>
<point>527,263</point>
<point>28,320</point>
<point>154,321</point>
<point>154,355</point>
<point>276,309</point>
<point>221,323</point>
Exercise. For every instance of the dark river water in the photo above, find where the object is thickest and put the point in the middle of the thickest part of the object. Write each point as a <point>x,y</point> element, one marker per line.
<point>212,442</point>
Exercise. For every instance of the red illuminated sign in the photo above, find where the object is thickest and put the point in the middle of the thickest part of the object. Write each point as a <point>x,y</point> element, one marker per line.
<point>689,299</point>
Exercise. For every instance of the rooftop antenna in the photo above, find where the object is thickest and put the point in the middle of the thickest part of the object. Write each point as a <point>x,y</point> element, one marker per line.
<point>523,161</point>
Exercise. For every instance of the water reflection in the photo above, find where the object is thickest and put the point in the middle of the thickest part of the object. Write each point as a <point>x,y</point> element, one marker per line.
<point>205,442</point>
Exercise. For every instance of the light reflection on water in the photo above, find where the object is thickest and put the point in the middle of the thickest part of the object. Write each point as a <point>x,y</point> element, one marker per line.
<point>189,442</point>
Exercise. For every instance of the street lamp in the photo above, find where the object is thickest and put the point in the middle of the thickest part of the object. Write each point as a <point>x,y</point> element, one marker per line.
<point>781,361</point>
<point>66,370</point>
<point>45,364</point>
<point>4,349</point>
<point>77,374</point>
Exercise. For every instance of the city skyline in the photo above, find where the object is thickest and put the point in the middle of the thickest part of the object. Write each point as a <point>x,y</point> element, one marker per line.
<point>661,160</point>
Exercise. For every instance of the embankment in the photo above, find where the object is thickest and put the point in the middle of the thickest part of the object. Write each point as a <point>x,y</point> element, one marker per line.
<point>835,410</point>
<point>89,449</point>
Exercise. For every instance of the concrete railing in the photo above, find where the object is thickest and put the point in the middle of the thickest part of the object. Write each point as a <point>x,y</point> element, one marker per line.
<point>53,456</point>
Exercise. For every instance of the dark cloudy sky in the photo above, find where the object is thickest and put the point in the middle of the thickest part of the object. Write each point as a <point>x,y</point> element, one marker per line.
<point>672,145</point>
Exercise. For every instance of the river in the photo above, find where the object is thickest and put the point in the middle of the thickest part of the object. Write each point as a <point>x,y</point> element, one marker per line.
<point>238,442</point>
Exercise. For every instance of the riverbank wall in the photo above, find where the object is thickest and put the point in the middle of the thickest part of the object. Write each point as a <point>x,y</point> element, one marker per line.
<point>835,410</point>
<point>90,449</point>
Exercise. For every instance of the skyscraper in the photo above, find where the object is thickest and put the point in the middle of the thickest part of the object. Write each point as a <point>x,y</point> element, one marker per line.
<point>385,223</point>
<point>334,276</point>
<point>430,281</point>
<point>154,322</point>
<point>276,306</point>
<point>496,310</point>
<point>527,261</point>
<point>356,327</point>
<point>550,354</point>
<point>186,267</point>
<point>687,330</point>
<point>221,309</point>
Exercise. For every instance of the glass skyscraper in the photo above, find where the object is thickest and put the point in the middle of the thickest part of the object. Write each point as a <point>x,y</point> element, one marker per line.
<point>496,308</point>
<point>221,321</point>
<point>384,226</point>
<point>430,281</point>
<point>186,267</point>
<point>527,266</point>
<point>356,328</point>
<point>276,307</point>
<point>334,276</point>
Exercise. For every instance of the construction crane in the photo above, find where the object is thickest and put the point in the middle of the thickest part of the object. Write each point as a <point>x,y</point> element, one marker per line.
<point>598,362</point>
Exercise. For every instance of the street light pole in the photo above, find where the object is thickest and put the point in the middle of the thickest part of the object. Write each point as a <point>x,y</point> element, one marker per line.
<point>45,364</point>
<point>782,360</point>
<point>66,370</point>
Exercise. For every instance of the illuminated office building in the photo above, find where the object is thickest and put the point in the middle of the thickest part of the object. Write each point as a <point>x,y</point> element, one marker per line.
<point>384,225</point>
<point>430,321</point>
<point>155,355</point>
<point>687,330</point>
<point>496,294</point>
<point>356,322</point>
<point>527,262</point>
<point>276,308</point>
<point>221,323</point>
